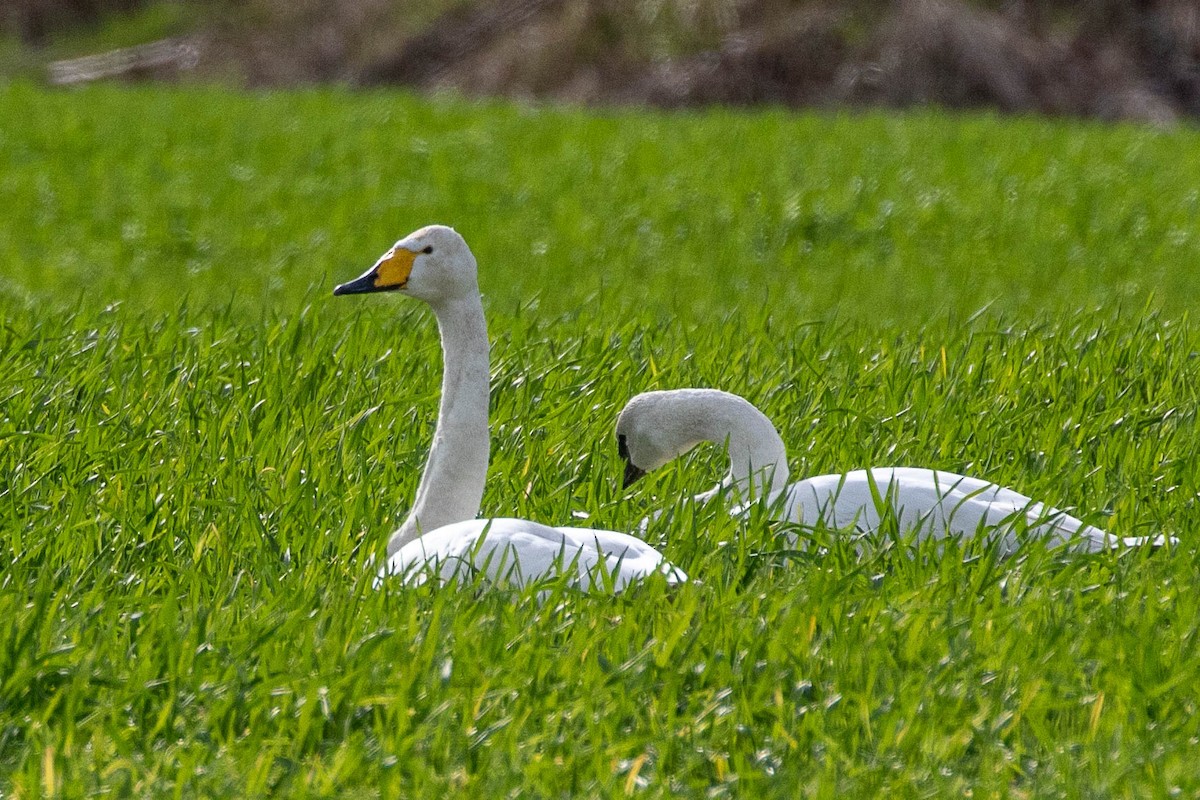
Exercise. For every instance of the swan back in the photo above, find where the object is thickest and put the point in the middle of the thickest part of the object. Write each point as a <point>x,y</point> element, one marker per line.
<point>519,552</point>
<point>933,503</point>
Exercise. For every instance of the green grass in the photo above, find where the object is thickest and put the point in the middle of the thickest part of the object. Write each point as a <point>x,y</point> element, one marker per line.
<point>201,448</point>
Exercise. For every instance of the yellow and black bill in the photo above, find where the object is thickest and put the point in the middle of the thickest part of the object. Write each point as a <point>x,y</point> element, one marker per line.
<point>390,274</point>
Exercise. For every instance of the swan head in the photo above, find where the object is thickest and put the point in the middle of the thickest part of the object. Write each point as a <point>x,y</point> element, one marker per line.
<point>432,264</point>
<point>653,429</point>
<point>656,427</point>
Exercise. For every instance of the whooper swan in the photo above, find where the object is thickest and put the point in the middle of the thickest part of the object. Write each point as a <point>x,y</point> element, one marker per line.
<point>441,535</point>
<point>656,427</point>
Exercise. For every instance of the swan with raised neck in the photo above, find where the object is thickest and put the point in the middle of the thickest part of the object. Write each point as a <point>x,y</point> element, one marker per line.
<point>441,534</point>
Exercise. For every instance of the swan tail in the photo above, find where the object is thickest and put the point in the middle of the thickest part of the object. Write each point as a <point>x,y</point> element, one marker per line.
<point>1156,542</point>
<point>1100,543</point>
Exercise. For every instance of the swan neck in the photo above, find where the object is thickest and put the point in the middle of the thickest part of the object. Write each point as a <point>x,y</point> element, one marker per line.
<point>451,487</point>
<point>757,456</point>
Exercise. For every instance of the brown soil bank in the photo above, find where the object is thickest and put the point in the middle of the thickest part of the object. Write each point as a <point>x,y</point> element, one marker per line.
<point>1113,59</point>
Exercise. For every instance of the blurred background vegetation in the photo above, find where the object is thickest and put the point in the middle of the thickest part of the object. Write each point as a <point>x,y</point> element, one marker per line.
<point>1112,59</point>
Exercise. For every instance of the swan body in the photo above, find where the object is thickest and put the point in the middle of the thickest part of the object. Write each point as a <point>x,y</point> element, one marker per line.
<point>655,427</point>
<point>935,504</point>
<point>441,535</point>
<point>518,552</point>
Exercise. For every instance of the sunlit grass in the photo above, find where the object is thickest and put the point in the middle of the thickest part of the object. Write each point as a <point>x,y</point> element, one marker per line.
<point>201,449</point>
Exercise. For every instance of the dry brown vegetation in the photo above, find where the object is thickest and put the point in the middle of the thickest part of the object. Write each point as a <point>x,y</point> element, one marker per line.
<point>1105,58</point>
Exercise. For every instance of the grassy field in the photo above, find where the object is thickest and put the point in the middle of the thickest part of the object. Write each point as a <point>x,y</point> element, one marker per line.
<point>201,448</point>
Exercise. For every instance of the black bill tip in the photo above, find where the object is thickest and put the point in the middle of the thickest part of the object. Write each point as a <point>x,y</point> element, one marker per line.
<point>360,285</point>
<point>632,474</point>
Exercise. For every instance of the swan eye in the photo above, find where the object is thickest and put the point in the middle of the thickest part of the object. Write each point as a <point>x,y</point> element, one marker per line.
<point>428,250</point>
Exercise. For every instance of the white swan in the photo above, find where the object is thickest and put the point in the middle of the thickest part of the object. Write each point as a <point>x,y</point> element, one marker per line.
<point>441,534</point>
<point>656,427</point>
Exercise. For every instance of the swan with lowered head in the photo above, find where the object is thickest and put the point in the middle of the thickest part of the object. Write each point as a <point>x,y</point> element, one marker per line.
<point>441,534</point>
<point>656,427</point>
